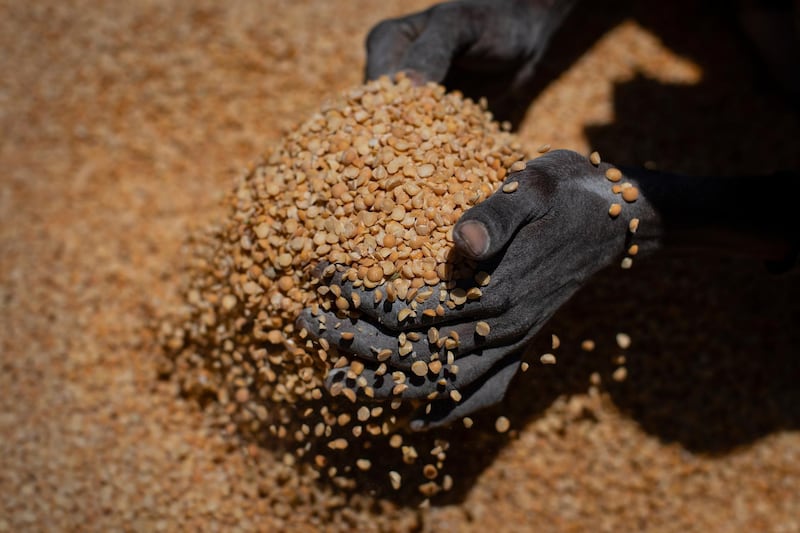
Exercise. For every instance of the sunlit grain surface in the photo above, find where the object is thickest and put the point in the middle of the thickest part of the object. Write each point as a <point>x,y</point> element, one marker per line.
<point>125,123</point>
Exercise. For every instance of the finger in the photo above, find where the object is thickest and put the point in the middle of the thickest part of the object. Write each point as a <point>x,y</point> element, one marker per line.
<point>484,394</point>
<point>368,341</point>
<point>471,337</point>
<point>388,42</point>
<point>413,308</point>
<point>468,371</point>
<point>444,35</point>
<point>381,384</point>
<point>526,196</point>
<point>436,380</point>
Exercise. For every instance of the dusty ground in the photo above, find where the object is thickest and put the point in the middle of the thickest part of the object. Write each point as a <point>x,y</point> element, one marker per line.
<point>124,124</point>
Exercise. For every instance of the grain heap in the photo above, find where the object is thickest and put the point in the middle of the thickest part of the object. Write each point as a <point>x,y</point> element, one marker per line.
<point>373,184</point>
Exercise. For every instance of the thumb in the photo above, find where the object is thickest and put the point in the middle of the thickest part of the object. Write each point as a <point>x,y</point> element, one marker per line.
<point>488,227</point>
<point>444,35</point>
<point>388,42</point>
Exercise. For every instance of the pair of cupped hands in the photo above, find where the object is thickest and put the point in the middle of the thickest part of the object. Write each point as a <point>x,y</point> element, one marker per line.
<point>538,244</point>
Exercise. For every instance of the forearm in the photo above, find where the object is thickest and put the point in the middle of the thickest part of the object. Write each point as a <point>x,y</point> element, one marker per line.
<point>752,215</point>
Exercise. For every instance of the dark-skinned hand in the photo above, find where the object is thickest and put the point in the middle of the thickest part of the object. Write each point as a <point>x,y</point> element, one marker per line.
<point>539,244</point>
<point>484,48</point>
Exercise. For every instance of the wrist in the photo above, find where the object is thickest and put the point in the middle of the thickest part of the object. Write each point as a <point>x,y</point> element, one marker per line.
<point>748,215</point>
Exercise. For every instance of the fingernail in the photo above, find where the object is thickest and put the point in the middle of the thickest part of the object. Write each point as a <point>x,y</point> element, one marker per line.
<point>473,238</point>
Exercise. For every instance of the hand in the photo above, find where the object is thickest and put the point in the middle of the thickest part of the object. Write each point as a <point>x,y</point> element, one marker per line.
<point>485,48</point>
<point>539,244</point>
